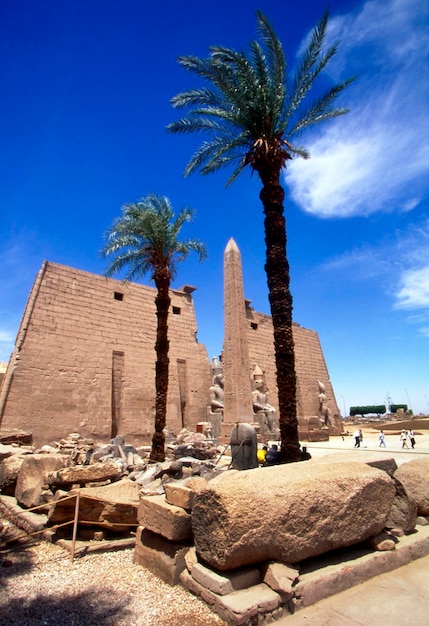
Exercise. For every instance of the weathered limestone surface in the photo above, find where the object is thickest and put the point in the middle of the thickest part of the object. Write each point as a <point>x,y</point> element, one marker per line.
<point>414,475</point>
<point>33,475</point>
<point>81,474</point>
<point>289,512</point>
<point>172,522</point>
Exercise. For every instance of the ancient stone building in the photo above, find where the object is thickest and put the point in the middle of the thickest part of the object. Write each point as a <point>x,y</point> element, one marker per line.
<point>310,368</point>
<point>84,361</point>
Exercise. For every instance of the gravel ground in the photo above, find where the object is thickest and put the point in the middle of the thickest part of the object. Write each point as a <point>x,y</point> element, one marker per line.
<point>39,584</point>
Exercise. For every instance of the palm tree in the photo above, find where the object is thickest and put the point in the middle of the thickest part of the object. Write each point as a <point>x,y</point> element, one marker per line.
<point>251,111</point>
<point>145,239</point>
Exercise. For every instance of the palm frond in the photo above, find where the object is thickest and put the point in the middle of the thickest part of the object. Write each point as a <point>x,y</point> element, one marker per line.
<point>320,109</point>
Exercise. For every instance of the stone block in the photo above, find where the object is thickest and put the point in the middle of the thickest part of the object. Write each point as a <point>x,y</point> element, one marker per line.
<point>288,513</point>
<point>172,522</point>
<point>179,495</point>
<point>224,583</point>
<point>164,558</point>
<point>240,606</point>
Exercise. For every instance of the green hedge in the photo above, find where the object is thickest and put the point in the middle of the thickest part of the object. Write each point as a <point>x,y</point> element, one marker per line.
<point>364,410</point>
<point>394,407</point>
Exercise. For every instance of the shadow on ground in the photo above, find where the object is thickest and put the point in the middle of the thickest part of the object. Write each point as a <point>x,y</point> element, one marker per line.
<point>74,610</point>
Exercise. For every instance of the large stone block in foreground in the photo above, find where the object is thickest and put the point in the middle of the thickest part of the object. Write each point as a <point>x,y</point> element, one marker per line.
<point>414,475</point>
<point>289,512</point>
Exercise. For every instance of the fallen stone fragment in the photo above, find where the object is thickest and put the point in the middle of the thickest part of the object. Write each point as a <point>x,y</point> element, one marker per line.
<point>288,513</point>
<point>381,542</point>
<point>33,475</point>
<point>281,578</point>
<point>81,474</point>
<point>414,475</point>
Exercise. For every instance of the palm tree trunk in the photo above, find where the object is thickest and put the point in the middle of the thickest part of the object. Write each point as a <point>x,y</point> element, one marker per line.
<point>278,278</point>
<point>162,302</point>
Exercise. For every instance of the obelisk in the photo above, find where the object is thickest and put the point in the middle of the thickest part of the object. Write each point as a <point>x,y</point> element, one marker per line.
<point>235,361</point>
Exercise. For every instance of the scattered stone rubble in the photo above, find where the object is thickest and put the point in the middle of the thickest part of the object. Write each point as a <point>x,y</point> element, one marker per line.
<point>240,540</point>
<point>110,478</point>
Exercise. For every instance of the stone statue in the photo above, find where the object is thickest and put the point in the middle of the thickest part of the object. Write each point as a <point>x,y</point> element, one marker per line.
<point>261,406</point>
<point>216,391</point>
<point>324,412</point>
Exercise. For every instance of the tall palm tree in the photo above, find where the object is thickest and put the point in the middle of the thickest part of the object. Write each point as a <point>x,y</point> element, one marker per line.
<point>145,239</point>
<point>251,111</point>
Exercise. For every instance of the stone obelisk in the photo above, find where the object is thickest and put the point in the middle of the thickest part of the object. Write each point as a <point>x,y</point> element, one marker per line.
<point>238,391</point>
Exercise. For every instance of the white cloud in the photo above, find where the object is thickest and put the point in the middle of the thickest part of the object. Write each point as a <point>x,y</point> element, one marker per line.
<point>376,157</point>
<point>414,293</point>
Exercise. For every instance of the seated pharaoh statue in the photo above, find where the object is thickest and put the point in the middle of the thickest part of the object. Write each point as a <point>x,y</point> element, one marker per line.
<point>265,413</point>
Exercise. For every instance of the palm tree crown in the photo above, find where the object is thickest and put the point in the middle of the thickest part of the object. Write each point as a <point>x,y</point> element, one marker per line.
<point>145,239</point>
<point>252,111</point>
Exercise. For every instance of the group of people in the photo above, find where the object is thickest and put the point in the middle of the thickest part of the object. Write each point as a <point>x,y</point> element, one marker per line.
<point>407,436</point>
<point>271,456</point>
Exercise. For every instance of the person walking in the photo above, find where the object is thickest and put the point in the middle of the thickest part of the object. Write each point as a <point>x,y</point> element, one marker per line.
<point>403,438</point>
<point>356,435</point>
<point>411,438</point>
<point>382,439</point>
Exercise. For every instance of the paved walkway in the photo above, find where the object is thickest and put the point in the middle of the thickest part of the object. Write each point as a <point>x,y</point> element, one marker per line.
<point>397,598</point>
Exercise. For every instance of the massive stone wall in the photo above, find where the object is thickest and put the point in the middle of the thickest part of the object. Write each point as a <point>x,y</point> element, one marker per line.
<point>85,360</point>
<point>310,364</point>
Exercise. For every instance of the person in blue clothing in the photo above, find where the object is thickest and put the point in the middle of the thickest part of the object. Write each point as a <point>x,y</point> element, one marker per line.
<point>272,455</point>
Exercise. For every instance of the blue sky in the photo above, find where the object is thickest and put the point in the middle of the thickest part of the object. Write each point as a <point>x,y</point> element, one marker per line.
<point>85,98</point>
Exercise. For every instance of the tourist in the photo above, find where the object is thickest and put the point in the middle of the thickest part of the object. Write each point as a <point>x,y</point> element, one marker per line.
<point>411,438</point>
<point>272,455</point>
<point>403,438</point>
<point>262,455</point>
<point>356,435</point>
<point>382,440</point>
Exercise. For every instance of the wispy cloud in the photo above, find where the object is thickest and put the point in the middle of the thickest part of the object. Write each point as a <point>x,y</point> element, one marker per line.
<point>376,158</point>
<point>414,293</point>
